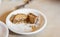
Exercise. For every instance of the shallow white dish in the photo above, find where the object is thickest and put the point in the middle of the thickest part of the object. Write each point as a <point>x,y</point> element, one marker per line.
<point>15,28</point>
<point>3,30</point>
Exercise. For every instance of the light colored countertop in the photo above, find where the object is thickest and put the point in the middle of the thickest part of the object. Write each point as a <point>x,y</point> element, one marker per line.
<point>52,11</point>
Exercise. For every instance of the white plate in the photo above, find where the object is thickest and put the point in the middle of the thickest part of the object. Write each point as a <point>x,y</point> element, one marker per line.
<point>15,28</point>
<point>3,30</point>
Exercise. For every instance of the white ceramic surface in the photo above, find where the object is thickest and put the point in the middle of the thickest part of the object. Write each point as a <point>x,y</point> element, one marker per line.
<point>15,28</point>
<point>3,30</point>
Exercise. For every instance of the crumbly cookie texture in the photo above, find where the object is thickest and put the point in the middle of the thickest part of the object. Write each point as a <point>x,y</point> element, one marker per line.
<point>18,18</point>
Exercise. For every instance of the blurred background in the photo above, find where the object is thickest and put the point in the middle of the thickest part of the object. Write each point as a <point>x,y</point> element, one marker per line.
<point>51,8</point>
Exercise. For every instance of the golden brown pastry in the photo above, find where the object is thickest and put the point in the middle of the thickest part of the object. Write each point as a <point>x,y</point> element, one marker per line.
<point>32,18</point>
<point>18,18</point>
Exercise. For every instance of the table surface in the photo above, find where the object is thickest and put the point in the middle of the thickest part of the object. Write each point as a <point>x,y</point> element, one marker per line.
<point>50,8</point>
